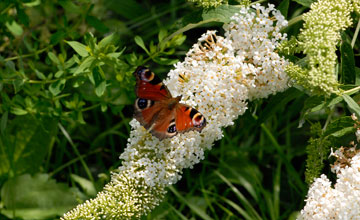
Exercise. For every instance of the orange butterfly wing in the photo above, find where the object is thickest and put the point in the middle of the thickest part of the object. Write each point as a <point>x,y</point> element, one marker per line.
<point>188,119</point>
<point>158,111</point>
<point>149,86</point>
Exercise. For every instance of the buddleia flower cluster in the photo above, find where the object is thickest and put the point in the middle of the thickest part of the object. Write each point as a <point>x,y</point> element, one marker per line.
<point>341,201</point>
<point>318,40</point>
<point>218,76</point>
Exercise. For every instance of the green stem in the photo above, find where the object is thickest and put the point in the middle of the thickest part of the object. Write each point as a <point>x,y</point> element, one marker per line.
<point>352,91</point>
<point>90,107</point>
<point>294,20</point>
<point>27,55</point>
<point>355,34</point>
<point>73,161</point>
<point>86,168</point>
<point>48,81</point>
<point>288,165</point>
<point>329,118</point>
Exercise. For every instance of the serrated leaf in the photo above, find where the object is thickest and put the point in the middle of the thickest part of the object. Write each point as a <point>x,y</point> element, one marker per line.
<point>139,41</point>
<point>86,63</point>
<point>56,87</point>
<point>353,106</point>
<point>79,48</point>
<point>85,184</point>
<point>347,63</point>
<point>37,197</point>
<point>14,28</point>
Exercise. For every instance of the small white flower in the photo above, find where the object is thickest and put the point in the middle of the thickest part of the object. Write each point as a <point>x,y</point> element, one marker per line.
<point>218,76</point>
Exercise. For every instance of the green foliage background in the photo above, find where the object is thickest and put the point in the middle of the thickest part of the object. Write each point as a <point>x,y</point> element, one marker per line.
<point>66,101</point>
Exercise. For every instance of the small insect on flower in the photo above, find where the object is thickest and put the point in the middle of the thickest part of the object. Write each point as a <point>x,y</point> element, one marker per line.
<point>159,112</point>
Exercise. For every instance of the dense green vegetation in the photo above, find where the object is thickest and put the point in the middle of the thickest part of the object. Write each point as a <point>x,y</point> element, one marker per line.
<point>67,94</point>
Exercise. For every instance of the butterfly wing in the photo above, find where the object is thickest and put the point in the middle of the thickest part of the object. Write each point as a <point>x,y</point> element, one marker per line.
<point>188,119</point>
<point>151,105</point>
<point>158,111</point>
<point>149,86</point>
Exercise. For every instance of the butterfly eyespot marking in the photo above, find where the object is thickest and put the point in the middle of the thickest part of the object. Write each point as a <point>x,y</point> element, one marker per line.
<point>198,120</point>
<point>147,75</point>
<point>141,103</point>
<point>144,103</point>
<point>172,128</point>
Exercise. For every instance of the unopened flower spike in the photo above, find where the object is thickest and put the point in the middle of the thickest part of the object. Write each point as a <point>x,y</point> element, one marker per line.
<point>318,40</point>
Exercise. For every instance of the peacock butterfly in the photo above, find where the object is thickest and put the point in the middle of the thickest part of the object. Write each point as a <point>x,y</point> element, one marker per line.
<point>159,112</point>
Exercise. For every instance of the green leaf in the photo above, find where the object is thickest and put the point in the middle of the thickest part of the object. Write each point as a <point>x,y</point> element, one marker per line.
<point>129,9</point>
<point>284,7</point>
<point>139,41</point>
<point>347,63</point>
<point>18,111</point>
<point>25,144</point>
<point>165,61</point>
<point>86,63</point>
<point>37,197</point>
<point>70,7</point>
<point>14,28</point>
<point>162,34</point>
<point>196,209</point>
<point>97,24</point>
<point>110,39</point>
<point>340,127</point>
<point>56,87</point>
<point>54,58</point>
<point>100,82</point>
<point>85,184</point>
<point>32,4</point>
<point>3,122</point>
<point>59,73</point>
<point>57,37</point>
<point>40,75</point>
<point>18,83</point>
<point>100,89</point>
<point>357,76</point>
<point>222,14</point>
<point>353,106</point>
<point>79,48</point>
<point>277,103</point>
<point>305,3</point>
<point>103,107</point>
